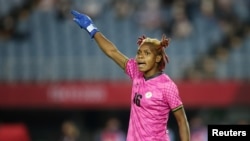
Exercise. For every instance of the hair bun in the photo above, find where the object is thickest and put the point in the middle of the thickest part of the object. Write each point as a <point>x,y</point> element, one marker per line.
<point>140,39</point>
<point>164,41</point>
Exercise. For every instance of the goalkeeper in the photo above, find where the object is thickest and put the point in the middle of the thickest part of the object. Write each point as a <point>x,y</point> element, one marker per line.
<point>154,95</point>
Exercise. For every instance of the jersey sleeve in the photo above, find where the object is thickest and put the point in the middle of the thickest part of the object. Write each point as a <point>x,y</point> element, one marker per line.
<point>131,68</point>
<point>171,96</point>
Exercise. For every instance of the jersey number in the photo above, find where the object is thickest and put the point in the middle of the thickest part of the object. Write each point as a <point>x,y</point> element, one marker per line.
<point>137,99</point>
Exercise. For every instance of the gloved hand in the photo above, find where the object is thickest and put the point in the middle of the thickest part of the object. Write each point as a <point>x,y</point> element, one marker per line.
<point>85,22</point>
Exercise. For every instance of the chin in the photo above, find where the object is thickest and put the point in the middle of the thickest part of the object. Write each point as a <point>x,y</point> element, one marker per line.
<point>142,70</point>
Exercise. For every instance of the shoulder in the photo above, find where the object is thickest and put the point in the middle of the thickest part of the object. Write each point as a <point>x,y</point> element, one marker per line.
<point>168,86</point>
<point>130,64</point>
<point>166,81</point>
<point>130,61</point>
<point>131,69</point>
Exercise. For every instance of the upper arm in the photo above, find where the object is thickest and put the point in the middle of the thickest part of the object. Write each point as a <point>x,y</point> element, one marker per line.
<point>179,114</point>
<point>176,105</point>
<point>171,96</point>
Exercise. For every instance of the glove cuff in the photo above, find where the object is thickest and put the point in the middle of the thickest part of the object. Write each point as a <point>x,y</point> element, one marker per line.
<point>92,29</point>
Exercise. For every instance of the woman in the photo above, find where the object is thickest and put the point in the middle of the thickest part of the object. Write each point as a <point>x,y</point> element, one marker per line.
<point>154,94</point>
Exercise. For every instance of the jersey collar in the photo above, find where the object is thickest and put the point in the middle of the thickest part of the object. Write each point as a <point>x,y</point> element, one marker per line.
<point>153,76</point>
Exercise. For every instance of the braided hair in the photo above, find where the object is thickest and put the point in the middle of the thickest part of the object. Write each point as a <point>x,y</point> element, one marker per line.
<point>159,46</point>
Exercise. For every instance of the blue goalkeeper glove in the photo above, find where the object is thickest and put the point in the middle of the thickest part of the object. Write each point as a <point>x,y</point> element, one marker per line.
<point>85,22</point>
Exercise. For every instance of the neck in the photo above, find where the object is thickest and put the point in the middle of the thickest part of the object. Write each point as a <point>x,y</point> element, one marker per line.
<point>147,77</point>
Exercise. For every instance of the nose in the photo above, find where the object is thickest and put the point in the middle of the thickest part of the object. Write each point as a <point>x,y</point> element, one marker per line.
<point>140,55</point>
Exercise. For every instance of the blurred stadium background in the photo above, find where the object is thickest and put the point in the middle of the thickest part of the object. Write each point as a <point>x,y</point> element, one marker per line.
<point>52,72</point>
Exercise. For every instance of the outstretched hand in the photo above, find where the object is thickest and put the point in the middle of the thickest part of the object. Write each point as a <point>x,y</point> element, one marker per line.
<point>85,22</point>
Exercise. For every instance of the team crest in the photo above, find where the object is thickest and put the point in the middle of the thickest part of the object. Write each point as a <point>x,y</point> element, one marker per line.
<point>148,95</point>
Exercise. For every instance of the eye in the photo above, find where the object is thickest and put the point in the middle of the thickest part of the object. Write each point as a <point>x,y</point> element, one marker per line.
<point>147,53</point>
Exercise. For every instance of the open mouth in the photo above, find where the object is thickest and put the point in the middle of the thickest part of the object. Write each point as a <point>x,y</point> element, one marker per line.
<point>141,64</point>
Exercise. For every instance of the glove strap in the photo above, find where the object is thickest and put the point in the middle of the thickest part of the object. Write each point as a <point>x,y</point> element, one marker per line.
<point>92,30</point>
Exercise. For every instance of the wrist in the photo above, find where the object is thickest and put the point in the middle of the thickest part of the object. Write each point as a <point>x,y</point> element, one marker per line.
<point>92,29</point>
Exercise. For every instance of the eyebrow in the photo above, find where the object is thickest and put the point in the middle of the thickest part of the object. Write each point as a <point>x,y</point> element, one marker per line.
<point>147,49</point>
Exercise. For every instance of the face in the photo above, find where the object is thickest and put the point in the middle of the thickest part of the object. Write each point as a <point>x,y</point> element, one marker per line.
<point>147,60</point>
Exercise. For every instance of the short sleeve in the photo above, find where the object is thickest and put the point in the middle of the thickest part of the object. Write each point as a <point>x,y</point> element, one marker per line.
<point>131,69</point>
<point>171,96</point>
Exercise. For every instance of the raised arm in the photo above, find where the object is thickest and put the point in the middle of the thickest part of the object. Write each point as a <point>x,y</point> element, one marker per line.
<point>110,49</point>
<point>104,44</point>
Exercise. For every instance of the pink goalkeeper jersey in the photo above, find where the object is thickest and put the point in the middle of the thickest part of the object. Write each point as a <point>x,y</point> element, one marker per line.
<point>151,102</point>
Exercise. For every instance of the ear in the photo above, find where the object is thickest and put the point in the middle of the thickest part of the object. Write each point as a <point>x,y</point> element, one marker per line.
<point>158,58</point>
